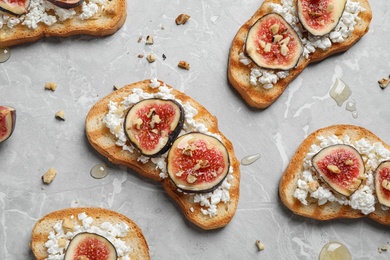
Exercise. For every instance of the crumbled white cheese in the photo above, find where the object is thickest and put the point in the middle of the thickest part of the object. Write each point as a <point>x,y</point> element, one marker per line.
<point>363,199</point>
<point>114,121</point>
<point>113,233</point>
<point>42,11</point>
<point>287,9</point>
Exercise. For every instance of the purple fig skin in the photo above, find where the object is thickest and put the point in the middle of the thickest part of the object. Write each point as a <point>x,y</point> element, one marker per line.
<point>7,122</point>
<point>66,4</point>
<point>15,9</point>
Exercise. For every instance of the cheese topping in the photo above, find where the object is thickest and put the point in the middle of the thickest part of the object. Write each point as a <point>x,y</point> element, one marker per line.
<point>114,121</point>
<point>287,9</point>
<point>42,11</point>
<point>364,198</point>
<point>59,238</point>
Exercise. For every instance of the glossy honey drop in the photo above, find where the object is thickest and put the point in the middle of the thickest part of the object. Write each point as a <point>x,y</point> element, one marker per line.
<point>247,160</point>
<point>5,53</point>
<point>99,171</point>
<point>334,251</point>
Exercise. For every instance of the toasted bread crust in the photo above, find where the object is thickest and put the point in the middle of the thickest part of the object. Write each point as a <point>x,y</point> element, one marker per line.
<point>103,141</point>
<point>104,22</point>
<point>259,97</point>
<point>43,226</point>
<point>330,210</point>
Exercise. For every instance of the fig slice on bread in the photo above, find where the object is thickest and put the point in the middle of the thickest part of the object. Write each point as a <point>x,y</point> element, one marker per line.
<point>305,194</point>
<point>153,124</point>
<point>273,44</point>
<point>7,122</point>
<point>197,162</point>
<point>15,7</point>
<point>382,183</point>
<point>320,17</point>
<point>66,4</point>
<point>341,167</point>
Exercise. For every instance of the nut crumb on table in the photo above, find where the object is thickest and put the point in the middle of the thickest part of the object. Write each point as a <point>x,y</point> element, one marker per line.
<point>60,115</point>
<point>184,65</point>
<point>260,246</point>
<point>182,19</point>
<point>49,176</point>
<point>51,86</point>
<point>151,58</point>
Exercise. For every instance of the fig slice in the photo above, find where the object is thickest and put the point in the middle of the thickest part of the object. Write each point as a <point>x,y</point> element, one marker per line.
<point>15,7</point>
<point>273,44</point>
<point>341,167</point>
<point>152,125</point>
<point>382,183</point>
<point>197,162</point>
<point>7,122</point>
<point>66,4</point>
<point>90,246</point>
<point>320,17</point>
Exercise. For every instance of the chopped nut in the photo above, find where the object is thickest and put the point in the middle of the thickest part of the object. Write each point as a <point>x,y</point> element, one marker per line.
<point>149,40</point>
<point>151,58</point>
<point>262,44</point>
<point>191,178</point>
<point>116,87</point>
<point>313,185</point>
<point>384,248</point>
<point>267,47</point>
<point>184,65</point>
<point>386,184</point>
<point>189,149</point>
<point>155,120</point>
<point>139,39</point>
<point>61,242</point>
<point>285,41</point>
<point>182,19</point>
<point>348,162</point>
<point>51,86</point>
<point>49,176</point>
<point>83,257</point>
<point>383,83</point>
<point>140,56</point>
<point>201,164</point>
<point>274,28</point>
<point>60,115</point>
<point>138,123</point>
<point>260,246</point>
<point>277,38</point>
<point>151,112</point>
<point>333,168</point>
<point>284,50</point>
<point>179,173</point>
<point>67,225</point>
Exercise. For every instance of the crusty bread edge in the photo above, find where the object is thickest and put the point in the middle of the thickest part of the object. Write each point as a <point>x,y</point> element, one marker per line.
<point>44,225</point>
<point>259,97</point>
<point>329,210</point>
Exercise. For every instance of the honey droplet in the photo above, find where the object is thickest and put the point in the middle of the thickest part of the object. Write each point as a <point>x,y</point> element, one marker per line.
<point>334,251</point>
<point>99,171</point>
<point>340,92</point>
<point>247,160</point>
<point>5,53</point>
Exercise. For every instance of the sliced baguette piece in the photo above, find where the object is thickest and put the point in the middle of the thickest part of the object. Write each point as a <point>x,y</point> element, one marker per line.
<point>329,210</point>
<point>105,22</point>
<point>259,97</point>
<point>103,141</point>
<point>135,238</point>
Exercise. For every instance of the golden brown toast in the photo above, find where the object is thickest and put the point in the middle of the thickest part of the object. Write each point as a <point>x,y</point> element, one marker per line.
<point>104,141</point>
<point>134,238</point>
<point>258,96</point>
<point>106,21</point>
<point>329,210</point>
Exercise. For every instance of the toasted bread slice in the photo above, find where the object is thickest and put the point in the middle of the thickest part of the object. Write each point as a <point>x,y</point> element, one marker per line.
<point>329,210</point>
<point>134,238</point>
<point>260,97</point>
<point>106,21</point>
<point>104,141</point>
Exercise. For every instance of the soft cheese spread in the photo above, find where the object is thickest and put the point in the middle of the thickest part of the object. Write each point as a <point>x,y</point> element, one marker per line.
<point>114,121</point>
<point>42,11</point>
<point>287,9</point>
<point>363,199</point>
<point>83,223</point>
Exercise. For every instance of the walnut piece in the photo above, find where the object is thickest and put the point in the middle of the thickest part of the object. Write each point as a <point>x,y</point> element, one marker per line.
<point>51,86</point>
<point>60,115</point>
<point>149,40</point>
<point>383,83</point>
<point>260,246</point>
<point>151,58</point>
<point>182,19</point>
<point>49,176</point>
<point>184,65</point>
<point>333,168</point>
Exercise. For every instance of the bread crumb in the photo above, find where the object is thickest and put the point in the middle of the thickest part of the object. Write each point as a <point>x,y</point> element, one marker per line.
<point>51,86</point>
<point>182,19</point>
<point>260,246</point>
<point>140,56</point>
<point>60,115</point>
<point>184,65</point>
<point>149,40</point>
<point>139,39</point>
<point>49,176</point>
<point>151,58</point>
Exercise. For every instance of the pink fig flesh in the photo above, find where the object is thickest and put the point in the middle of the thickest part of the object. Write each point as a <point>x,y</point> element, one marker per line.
<point>7,122</point>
